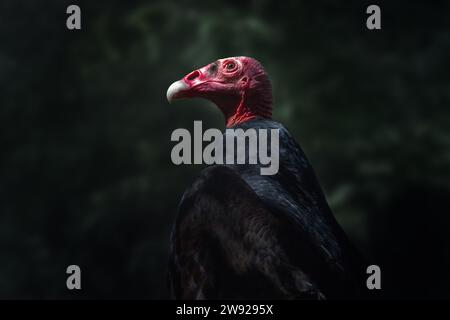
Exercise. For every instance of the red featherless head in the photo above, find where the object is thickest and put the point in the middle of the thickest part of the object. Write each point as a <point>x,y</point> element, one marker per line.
<point>239,86</point>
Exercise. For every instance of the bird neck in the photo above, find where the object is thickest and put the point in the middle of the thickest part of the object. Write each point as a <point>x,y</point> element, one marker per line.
<point>245,109</point>
<point>243,113</point>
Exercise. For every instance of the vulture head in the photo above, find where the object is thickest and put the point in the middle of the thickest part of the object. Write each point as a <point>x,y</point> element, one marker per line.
<point>239,86</point>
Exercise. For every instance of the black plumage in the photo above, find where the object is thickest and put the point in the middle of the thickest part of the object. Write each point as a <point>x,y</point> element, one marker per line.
<point>240,234</point>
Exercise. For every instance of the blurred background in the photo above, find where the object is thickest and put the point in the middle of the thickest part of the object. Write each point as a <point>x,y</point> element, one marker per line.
<point>86,176</point>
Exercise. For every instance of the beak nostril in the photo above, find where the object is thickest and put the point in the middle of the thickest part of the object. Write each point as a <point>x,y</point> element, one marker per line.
<point>193,75</point>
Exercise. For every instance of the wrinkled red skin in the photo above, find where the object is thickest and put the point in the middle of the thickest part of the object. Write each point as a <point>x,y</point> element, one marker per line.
<point>239,86</point>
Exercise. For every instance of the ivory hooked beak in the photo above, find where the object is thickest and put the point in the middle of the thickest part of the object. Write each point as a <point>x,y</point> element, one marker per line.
<point>176,89</point>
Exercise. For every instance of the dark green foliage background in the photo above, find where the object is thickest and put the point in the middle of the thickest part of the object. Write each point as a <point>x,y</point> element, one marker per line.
<point>86,176</point>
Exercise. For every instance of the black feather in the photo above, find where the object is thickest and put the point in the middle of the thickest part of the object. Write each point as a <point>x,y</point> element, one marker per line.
<point>240,234</point>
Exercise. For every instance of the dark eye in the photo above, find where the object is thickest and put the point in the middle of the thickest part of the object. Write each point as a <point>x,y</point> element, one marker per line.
<point>230,66</point>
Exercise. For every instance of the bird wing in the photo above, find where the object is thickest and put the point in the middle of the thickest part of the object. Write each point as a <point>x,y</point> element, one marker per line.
<point>294,193</point>
<point>227,244</point>
<point>312,205</point>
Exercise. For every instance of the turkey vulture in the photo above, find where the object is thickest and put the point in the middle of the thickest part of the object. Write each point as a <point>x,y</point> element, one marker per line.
<point>242,235</point>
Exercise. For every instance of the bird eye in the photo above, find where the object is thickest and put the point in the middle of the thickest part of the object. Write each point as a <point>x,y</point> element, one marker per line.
<point>230,66</point>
